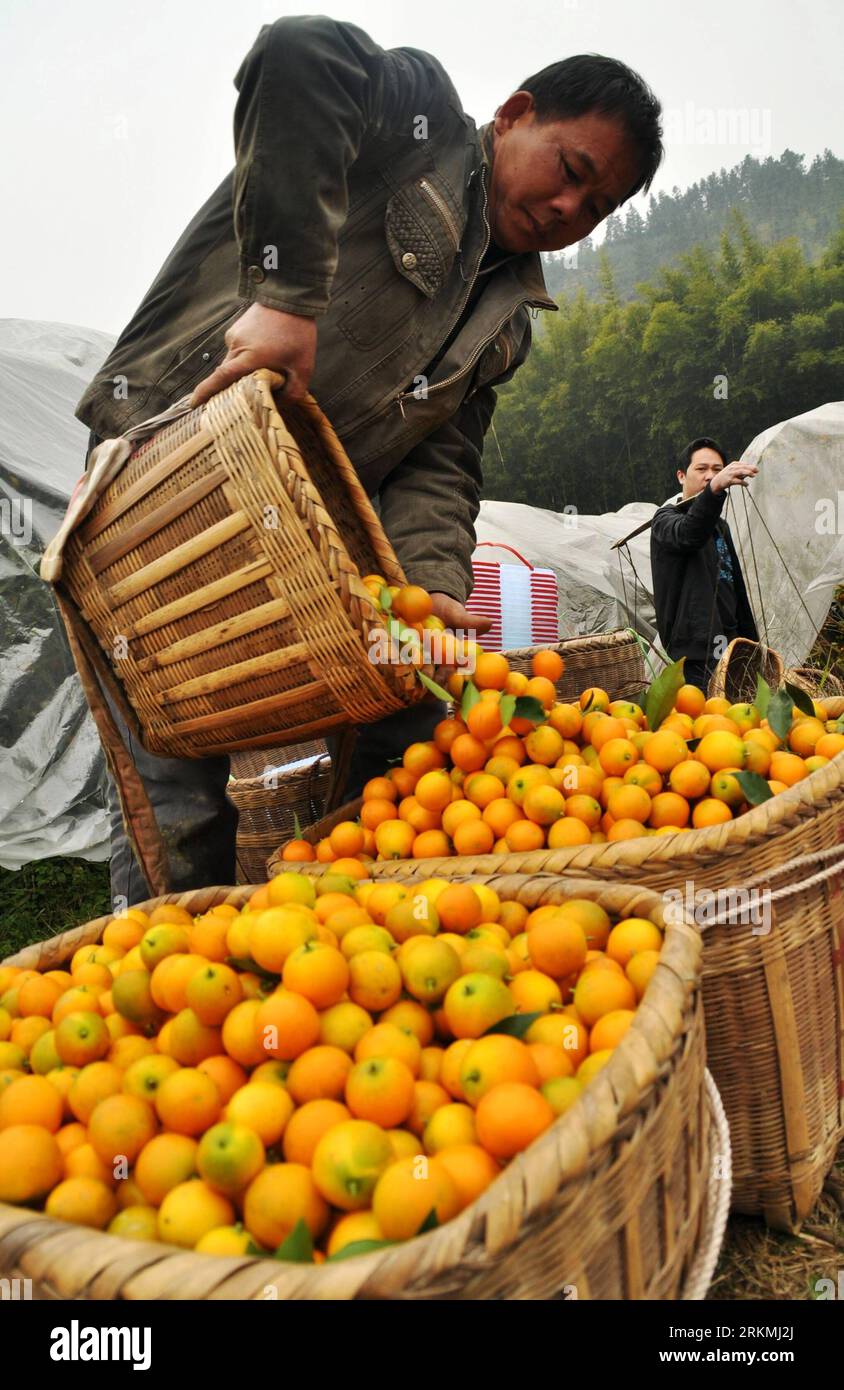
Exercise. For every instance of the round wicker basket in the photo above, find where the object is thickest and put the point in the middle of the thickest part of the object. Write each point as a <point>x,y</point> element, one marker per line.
<point>615,1200</point>
<point>612,660</point>
<point>783,987</point>
<point>735,675</point>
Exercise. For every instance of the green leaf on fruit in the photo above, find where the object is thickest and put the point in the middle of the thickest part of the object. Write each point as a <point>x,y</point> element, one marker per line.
<point>297,826</point>
<point>763,696</point>
<point>385,598</point>
<point>514,1025</point>
<point>470,697</point>
<point>430,1223</point>
<point>639,698</point>
<point>528,707</point>
<point>359,1247</point>
<point>253,1249</point>
<point>298,1247</point>
<point>659,701</point>
<point>803,701</point>
<point>253,968</point>
<point>780,712</point>
<point>755,788</point>
<point>433,687</point>
<point>507,708</point>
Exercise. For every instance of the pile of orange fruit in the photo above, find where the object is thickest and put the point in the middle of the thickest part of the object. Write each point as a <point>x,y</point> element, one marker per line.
<point>571,774</point>
<point>320,1060</point>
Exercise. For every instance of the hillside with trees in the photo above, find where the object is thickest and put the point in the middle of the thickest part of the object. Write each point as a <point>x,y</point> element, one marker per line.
<point>726,341</point>
<point>778,197</point>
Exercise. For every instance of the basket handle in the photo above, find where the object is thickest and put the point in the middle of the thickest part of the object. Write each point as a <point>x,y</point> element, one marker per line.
<point>499,545</point>
<point>138,815</point>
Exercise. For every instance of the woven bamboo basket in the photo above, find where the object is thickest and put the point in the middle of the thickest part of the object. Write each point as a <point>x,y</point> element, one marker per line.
<point>615,1200</point>
<point>774,1002</point>
<point>271,795</point>
<point>821,685</point>
<point>225,561</point>
<point>273,798</point>
<point>735,675</point>
<point>613,661</point>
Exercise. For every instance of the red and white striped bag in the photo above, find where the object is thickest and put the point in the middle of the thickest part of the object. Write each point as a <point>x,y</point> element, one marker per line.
<point>521,600</point>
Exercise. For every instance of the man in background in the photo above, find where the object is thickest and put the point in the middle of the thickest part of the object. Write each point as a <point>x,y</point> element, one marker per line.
<point>699,591</point>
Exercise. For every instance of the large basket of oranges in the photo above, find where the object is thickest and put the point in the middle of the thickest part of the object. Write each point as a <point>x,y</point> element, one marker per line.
<point>764,880</point>
<point>216,583</point>
<point>365,1123</point>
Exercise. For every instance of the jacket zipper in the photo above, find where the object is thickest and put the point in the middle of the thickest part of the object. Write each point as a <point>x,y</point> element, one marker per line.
<point>442,208</point>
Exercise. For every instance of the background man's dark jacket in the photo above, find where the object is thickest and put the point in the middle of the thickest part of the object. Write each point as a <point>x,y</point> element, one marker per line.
<point>684,567</point>
<point>359,198</point>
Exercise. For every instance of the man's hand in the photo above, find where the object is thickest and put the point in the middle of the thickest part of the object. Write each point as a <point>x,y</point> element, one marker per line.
<point>731,475</point>
<point>264,337</point>
<point>454,615</point>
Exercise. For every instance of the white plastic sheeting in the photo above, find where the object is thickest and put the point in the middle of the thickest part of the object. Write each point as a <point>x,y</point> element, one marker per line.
<point>52,770</point>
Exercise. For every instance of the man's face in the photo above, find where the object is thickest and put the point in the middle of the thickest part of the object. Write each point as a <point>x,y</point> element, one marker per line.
<point>704,464</point>
<point>553,181</point>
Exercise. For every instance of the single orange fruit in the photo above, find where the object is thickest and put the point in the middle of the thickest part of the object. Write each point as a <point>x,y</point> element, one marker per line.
<point>307,1126</point>
<point>319,1074</point>
<point>491,1061</point>
<point>787,768</point>
<point>374,980</point>
<point>474,1003</point>
<point>408,1192</point>
<point>669,808</point>
<point>187,1102</point>
<point>381,1090</point>
<point>665,749</point>
<point>557,946</point>
<point>600,992</point>
<point>120,1126</point>
<point>318,972</point>
<point>710,811</point>
<point>629,803</point>
<point>348,1161</point>
<point>610,1029</point>
<point>262,1106</point>
<point>510,1116</point>
<point>431,844</point>
<point>286,1024</point>
<point>190,1210</point>
<point>523,836</point>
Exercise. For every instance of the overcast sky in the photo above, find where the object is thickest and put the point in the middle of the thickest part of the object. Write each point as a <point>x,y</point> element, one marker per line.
<point>116,118</point>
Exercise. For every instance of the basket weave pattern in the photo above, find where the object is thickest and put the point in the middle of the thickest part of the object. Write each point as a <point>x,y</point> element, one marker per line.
<point>227,554</point>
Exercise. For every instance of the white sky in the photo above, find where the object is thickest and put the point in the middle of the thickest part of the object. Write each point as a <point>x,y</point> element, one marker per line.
<point>116,118</point>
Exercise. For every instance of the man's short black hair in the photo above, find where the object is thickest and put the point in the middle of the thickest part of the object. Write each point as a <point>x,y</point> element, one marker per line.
<point>590,82</point>
<point>685,456</point>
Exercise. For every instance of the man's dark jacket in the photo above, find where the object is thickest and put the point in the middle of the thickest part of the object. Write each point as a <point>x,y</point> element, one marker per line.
<point>684,568</point>
<point>359,197</point>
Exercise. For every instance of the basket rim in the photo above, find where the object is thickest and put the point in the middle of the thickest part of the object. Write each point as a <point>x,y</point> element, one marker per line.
<point>778,815</point>
<point>668,1002</point>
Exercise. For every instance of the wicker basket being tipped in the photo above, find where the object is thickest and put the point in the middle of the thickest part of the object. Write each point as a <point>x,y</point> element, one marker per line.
<point>623,1197</point>
<point>220,573</point>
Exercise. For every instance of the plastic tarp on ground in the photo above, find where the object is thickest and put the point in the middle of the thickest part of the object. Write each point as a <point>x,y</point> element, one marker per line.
<point>790,539</point>
<point>52,777</point>
<point>52,769</point>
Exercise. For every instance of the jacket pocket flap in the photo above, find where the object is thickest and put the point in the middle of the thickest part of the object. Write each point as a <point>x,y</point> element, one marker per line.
<point>423,230</point>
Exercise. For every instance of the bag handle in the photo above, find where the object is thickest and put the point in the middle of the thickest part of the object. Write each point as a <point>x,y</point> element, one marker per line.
<point>138,815</point>
<point>499,545</point>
